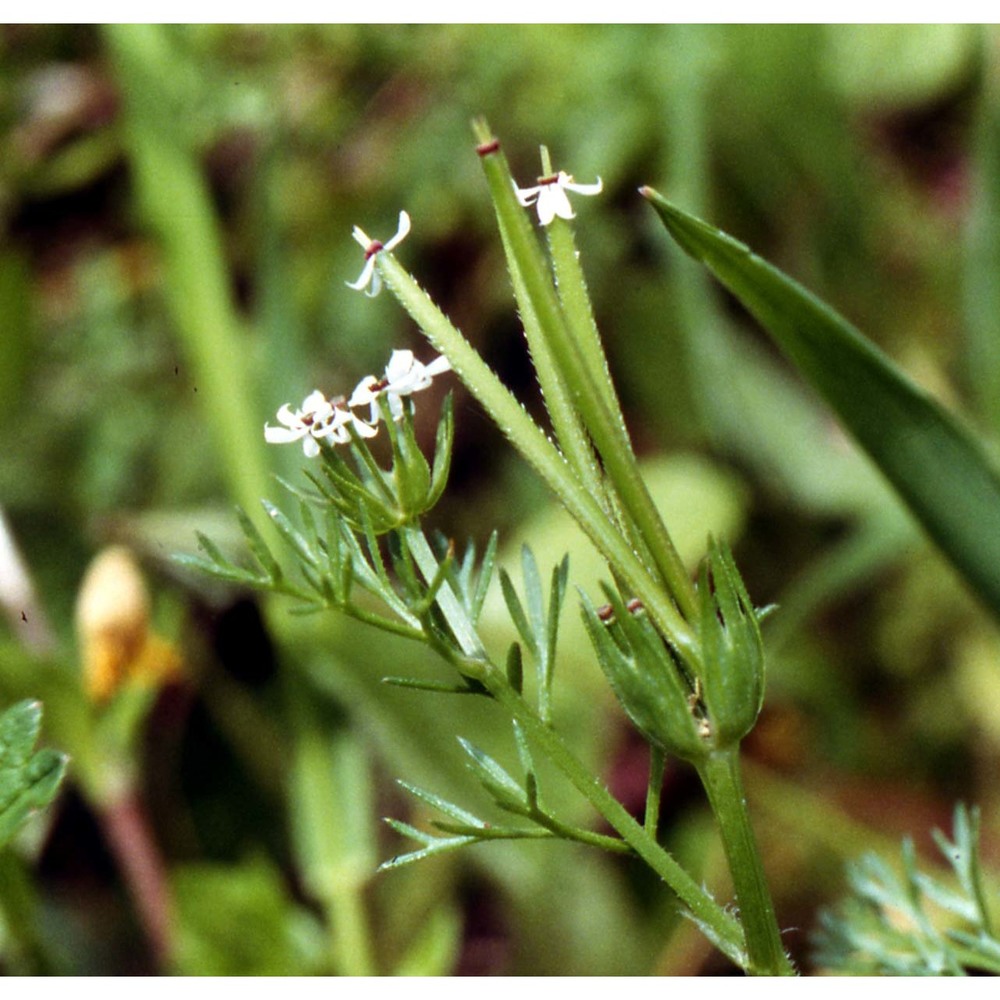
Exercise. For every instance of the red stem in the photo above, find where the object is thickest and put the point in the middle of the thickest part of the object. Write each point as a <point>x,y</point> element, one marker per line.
<point>131,841</point>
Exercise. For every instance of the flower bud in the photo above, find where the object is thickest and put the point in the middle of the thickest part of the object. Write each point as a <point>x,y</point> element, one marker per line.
<point>732,649</point>
<point>112,622</point>
<point>689,715</point>
<point>403,493</point>
<point>647,678</point>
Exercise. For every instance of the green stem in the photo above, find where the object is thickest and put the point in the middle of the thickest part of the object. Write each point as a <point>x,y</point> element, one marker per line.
<point>720,774</point>
<point>588,837</point>
<point>657,764</point>
<point>608,433</point>
<point>351,942</point>
<point>548,829</point>
<point>380,621</point>
<point>722,928</point>
<point>331,812</point>
<point>539,451</point>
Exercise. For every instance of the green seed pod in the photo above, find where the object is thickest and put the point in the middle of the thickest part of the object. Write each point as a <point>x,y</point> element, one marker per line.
<point>732,649</point>
<point>647,678</point>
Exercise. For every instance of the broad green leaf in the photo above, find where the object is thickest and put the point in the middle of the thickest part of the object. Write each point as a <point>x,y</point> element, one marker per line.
<point>28,780</point>
<point>939,468</point>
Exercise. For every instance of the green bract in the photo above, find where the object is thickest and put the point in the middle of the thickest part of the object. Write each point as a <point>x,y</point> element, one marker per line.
<point>732,684</point>
<point>368,496</point>
<point>686,715</point>
<point>646,676</point>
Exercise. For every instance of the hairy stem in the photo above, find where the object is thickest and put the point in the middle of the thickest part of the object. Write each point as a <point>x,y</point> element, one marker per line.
<point>724,930</point>
<point>546,459</point>
<point>720,774</point>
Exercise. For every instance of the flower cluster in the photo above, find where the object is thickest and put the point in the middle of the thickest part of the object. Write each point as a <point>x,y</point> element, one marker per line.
<point>332,420</point>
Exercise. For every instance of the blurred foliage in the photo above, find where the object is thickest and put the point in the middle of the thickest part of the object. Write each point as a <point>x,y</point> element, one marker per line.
<point>917,925</point>
<point>29,780</point>
<point>864,161</point>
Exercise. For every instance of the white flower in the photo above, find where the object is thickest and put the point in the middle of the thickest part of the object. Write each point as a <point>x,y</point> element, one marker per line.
<point>369,276</point>
<point>319,418</point>
<point>549,195</point>
<point>403,376</point>
<point>302,424</point>
<point>338,428</point>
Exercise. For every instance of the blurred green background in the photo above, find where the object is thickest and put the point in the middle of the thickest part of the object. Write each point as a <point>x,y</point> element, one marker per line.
<point>176,206</point>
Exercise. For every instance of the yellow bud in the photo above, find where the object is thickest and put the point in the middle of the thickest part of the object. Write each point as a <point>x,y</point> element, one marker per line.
<point>112,620</point>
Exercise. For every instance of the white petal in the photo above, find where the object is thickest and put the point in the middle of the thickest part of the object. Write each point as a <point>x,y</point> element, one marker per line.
<point>417,381</point>
<point>363,395</point>
<point>399,366</point>
<point>335,430</point>
<point>282,435</point>
<point>401,232</point>
<point>413,381</point>
<point>560,203</point>
<point>546,204</point>
<point>438,365</point>
<point>362,237</point>
<point>310,446</point>
<point>395,406</point>
<point>526,196</point>
<point>376,281</point>
<point>366,275</point>
<point>588,189</point>
<point>287,417</point>
<point>364,429</point>
<point>315,402</point>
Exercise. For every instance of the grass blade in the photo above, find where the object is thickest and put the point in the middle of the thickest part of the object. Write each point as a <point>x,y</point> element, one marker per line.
<point>939,468</point>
